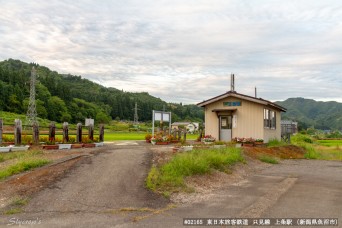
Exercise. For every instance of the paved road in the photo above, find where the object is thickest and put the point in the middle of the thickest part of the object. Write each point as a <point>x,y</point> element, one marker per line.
<point>96,190</point>
<point>99,194</point>
<point>293,189</point>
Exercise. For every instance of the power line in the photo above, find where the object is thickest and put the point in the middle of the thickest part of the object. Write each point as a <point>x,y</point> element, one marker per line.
<point>31,116</point>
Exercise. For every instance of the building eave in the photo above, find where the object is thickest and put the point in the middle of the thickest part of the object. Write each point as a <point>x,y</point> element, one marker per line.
<point>243,97</point>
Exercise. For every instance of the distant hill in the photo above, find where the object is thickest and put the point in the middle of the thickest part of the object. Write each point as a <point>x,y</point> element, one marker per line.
<point>311,113</point>
<point>72,98</point>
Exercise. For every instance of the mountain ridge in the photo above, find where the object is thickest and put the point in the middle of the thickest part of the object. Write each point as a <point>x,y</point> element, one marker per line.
<point>66,97</point>
<point>70,98</point>
<point>312,113</point>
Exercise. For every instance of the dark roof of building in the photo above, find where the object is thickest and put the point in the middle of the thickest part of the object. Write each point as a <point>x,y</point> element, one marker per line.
<point>241,96</point>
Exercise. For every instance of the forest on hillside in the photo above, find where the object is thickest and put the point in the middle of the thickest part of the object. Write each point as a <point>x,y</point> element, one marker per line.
<point>71,98</point>
<point>313,114</point>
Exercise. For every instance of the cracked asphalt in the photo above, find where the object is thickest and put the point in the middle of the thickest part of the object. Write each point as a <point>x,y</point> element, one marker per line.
<point>107,190</point>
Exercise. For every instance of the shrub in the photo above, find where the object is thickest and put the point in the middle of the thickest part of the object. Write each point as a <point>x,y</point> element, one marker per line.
<point>148,137</point>
<point>299,138</point>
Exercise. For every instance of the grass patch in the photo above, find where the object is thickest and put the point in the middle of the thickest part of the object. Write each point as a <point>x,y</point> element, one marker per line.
<point>169,177</point>
<point>13,211</point>
<point>275,142</point>
<point>22,166</point>
<point>20,155</point>
<point>20,201</point>
<point>315,149</point>
<point>16,206</point>
<point>268,159</point>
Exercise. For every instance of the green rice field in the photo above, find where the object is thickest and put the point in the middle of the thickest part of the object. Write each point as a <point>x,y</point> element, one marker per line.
<point>113,135</point>
<point>332,142</point>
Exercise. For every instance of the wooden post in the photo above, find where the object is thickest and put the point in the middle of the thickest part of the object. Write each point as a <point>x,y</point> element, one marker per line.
<point>17,131</point>
<point>91,132</point>
<point>201,135</point>
<point>52,132</point>
<point>101,133</point>
<point>1,126</point>
<point>174,132</point>
<point>161,124</point>
<point>79,133</point>
<point>65,132</point>
<point>179,134</point>
<point>184,135</point>
<point>35,134</point>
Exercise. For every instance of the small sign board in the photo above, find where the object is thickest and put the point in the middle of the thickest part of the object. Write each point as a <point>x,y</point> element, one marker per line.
<point>233,103</point>
<point>162,116</point>
<point>89,122</point>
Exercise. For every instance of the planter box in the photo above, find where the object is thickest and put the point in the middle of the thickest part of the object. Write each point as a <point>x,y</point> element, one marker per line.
<point>176,149</point>
<point>19,148</point>
<point>76,146</point>
<point>219,146</point>
<point>5,149</point>
<point>89,145</point>
<point>259,143</point>
<point>99,144</point>
<point>248,144</point>
<point>187,148</point>
<point>64,146</point>
<point>202,147</point>
<point>162,143</point>
<point>50,147</point>
<point>7,143</point>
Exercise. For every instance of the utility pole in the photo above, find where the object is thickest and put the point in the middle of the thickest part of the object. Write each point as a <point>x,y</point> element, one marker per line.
<point>136,114</point>
<point>31,116</point>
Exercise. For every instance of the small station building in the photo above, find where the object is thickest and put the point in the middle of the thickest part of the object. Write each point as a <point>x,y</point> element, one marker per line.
<point>233,115</point>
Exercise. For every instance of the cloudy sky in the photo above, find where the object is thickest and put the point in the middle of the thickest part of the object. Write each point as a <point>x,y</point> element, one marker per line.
<point>184,50</point>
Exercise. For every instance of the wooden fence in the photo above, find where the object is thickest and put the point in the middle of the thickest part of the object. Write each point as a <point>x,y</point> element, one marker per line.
<point>35,131</point>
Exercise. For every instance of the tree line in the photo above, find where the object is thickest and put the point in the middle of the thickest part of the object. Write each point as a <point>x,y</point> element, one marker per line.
<point>71,98</point>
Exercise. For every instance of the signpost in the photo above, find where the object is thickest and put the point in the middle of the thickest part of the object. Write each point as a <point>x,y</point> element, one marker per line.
<point>162,117</point>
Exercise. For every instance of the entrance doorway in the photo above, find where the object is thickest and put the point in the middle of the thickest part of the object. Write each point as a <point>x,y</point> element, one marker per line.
<point>226,128</point>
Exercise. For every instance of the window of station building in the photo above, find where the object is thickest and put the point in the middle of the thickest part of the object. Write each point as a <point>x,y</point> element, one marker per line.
<point>269,119</point>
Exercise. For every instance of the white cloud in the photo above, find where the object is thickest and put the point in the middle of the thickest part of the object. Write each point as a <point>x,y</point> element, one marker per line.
<point>184,51</point>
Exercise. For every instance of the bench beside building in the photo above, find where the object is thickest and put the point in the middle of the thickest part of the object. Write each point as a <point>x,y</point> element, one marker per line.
<point>233,115</point>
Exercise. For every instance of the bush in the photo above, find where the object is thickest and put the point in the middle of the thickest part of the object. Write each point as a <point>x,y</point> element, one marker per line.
<point>300,138</point>
<point>305,142</point>
<point>311,152</point>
